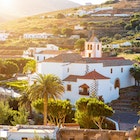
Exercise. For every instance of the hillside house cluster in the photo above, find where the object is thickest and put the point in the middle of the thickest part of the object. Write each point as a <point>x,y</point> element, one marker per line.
<point>36,35</point>
<point>90,74</point>
<point>100,12</point>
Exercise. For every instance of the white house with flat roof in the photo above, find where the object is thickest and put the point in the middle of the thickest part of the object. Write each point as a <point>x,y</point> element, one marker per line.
<point>4,36</point>
<point>91,74</point>
<point>28,132</point>
<point>41,53</point>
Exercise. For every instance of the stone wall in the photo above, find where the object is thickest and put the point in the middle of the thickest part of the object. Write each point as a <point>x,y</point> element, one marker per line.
<point>91,134</point>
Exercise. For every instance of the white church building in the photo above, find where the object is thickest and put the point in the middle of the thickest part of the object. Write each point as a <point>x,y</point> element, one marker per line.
<point>84,76</point>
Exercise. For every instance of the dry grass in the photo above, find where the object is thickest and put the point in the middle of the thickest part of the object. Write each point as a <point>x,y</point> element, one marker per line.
<point>129,56</point>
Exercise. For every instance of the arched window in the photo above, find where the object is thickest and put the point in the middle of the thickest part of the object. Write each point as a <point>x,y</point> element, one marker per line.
<point>91,47</point>
<point>83,89</point>
<point>88,48</point>
<point>117,83</point>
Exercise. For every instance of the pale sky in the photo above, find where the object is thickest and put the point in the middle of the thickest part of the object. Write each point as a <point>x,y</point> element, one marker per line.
<point>20,7</point>
<point>92,1</point>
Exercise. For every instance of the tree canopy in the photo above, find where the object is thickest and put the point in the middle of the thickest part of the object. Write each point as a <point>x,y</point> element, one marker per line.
<point>95,111</point>
<point>57,110</point>
<point>79,44</point>
<point>135,72</point>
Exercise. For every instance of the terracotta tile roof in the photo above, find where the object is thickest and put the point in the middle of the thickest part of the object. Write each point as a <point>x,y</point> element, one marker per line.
<point>72,78</point>
<point>92,75</point>
<point>66,57</point>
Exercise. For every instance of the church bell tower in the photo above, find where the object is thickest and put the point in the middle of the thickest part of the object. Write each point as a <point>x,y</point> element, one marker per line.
<point>93,48</point>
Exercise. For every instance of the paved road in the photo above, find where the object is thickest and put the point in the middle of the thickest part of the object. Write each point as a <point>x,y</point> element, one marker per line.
<point>126,120</point>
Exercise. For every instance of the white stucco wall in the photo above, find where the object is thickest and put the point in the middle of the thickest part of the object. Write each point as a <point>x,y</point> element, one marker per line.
<point>125,78</point>
<point>107,90</point>
<point>52,68</point>
<point>104,88</point>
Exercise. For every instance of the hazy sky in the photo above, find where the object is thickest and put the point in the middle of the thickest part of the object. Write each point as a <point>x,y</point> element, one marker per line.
<point>92,1</point>
<point>19,7</point>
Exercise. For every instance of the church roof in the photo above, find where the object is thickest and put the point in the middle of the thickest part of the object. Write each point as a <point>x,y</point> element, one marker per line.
<point>72,78</point>
<point>107,61</point>
<point>91,75</point>
<point>93,39</point>
<point>77,58</point>
<point>66,57</point>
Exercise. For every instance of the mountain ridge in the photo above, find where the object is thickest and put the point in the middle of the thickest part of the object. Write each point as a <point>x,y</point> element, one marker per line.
<point>34,7</point>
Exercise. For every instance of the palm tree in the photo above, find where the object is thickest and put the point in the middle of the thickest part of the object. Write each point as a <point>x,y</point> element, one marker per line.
<point>46,86</point>
<point>25,101</point>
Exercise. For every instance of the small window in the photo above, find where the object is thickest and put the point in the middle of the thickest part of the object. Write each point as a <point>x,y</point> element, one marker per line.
<point>68,87</point>
<point>67,69</point>
<point>121,69</point>
<point>111,70</point>
<point>88,47</point>
<point>91,47</point>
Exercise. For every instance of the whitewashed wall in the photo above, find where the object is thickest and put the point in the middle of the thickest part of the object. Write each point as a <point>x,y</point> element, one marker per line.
<point>104,88</point>
<point>51,68</point>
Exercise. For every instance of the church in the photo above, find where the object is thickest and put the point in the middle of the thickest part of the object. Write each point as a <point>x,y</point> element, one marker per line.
<point>91,74</point>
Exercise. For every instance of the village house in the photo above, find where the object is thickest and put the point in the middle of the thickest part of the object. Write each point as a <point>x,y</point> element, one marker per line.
<point>27,132</point>
<point>80,13</point>
<point>38,52</point>
<point>36,35</point>
<point>42,55</point>
<point>78,27</point>
<point>74,37</point>
<point>4,36</point>
<point>90,74</point>
<point>102,9</point>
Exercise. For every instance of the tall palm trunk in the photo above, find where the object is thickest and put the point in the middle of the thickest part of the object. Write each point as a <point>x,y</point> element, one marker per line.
<point>45,108</point>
